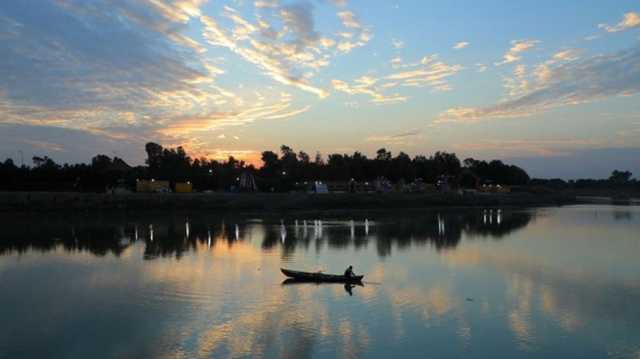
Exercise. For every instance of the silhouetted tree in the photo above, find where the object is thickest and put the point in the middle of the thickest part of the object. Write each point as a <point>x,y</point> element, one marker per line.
<point>620,176</point>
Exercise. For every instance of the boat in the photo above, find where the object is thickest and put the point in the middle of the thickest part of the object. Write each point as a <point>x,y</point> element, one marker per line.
<point>320,277</point>
<point>294,281</point>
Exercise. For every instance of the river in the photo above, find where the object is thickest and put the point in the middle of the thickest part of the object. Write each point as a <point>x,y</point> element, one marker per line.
<point>458,283</point>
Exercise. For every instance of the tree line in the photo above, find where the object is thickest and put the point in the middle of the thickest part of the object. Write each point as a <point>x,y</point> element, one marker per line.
<point>280,171</point>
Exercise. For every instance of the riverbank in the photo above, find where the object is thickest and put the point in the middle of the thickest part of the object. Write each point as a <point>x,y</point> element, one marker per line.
<point>70,201</point>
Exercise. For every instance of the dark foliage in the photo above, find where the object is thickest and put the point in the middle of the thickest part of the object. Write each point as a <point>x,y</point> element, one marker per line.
<point>282,171</point>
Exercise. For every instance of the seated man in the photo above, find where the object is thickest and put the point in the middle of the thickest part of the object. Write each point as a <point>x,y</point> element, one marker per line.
<point>349,272</point>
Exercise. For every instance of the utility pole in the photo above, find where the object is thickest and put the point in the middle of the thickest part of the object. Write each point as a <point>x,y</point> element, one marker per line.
<point>21,158</point>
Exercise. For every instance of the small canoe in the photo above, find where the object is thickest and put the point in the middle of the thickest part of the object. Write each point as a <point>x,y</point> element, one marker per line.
<point>293,281</point>
<point>320,277</point>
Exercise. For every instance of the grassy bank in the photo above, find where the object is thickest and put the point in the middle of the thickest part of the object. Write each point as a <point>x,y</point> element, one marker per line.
<point>55,201</point>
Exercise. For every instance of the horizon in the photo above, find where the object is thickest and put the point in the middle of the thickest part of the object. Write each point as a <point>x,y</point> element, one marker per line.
<point>549,87</point>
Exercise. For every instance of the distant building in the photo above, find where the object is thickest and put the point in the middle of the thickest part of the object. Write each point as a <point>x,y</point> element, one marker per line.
<point>184,187</point>
<point>152,186</point>
<point>319,187</point>
<point>247,182</point>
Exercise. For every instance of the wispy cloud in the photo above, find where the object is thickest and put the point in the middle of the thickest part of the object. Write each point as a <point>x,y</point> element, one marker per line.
<point>561,84</point>
<point>365,85</point>
<point>629,21</point>
<point>429,72</point>
<point>397,44</point>
<point>290,53</point>
<point>260,109</point>
<point>567,55</point>
<point>279,60</point>
<point>517,46</point>
<point>349,20</point>
<point>527,147</point>
<point>460,45</point>
<point>405,138</point>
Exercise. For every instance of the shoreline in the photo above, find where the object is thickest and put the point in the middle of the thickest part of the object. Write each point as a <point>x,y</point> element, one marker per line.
<point>259,202</point>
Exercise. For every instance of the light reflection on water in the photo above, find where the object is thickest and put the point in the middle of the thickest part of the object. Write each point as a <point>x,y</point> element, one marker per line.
<point>449,283</point>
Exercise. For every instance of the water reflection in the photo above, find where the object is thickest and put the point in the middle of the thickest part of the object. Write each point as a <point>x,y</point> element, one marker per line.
<point>348,287</point>
<point>453,283</point>
<point>178,235</point>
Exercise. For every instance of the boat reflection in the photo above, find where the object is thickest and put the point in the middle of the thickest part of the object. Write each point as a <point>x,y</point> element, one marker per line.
<point>348,287</point>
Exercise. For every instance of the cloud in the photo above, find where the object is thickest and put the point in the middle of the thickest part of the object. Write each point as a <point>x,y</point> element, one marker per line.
<point>349,20</point>
<point>284,43</point>
<point>429,72</point>
<point>146,81</point>
<point>42,63</point>
<point>266,3</point>
<point>62,144</point>
<point>528,147</point>
<point>566,55</point>
<point>629,21</point>
<point>405,138</point>
<point>365,85</point>
<point>208,122</point>
<point>460,45</point>
<point>561,84</point>
<point>279,60</point>
<point>517,46</point>
<point>397,44</point>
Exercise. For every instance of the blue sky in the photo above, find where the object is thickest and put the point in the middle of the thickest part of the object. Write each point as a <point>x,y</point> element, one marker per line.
<point>531,82</point>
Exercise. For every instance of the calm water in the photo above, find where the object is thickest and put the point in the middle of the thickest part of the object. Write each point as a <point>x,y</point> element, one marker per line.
<point>551,282</point>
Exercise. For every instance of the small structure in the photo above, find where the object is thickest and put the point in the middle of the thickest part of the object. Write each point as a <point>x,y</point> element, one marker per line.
<point>319,187</point>
<point>184,187</point>
<point>152,185</point>
<point>383,185</point>
<point>247,182</point>
<point>417,186</point>
<point>444,183</point>
<point>494,188</point>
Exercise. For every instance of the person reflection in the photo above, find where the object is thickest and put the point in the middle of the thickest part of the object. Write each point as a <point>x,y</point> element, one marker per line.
<point>348,287</point>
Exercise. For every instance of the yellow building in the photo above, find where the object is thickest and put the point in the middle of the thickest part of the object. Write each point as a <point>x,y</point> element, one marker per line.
<point>150,186</point>
<point>184,187</point>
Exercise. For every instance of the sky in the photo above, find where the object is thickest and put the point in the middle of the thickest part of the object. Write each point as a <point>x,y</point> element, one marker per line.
<point>551,86</point>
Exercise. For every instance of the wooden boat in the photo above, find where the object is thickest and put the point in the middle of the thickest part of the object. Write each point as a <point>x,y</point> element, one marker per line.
<point>320,277</point>
<point>293,281</point>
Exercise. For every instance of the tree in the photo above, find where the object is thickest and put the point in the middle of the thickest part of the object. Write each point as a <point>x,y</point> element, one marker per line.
<point>270,159</point>
<point>383,155</point>
<point>303,157</point>
<point>154,155</point>
<point>100,162</point>
<point>289,159</point>
<point>620,176</point>
<point>446,163</point>
<point>318,160</point>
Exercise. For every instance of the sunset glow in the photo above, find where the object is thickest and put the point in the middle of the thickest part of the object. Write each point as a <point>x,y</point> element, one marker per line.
<point>525,82</point>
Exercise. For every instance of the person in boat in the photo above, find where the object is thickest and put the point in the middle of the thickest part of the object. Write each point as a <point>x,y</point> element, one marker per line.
<point>349,272</point>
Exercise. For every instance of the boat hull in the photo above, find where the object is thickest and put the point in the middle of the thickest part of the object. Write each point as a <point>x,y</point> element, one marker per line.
<point>320,277</point>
